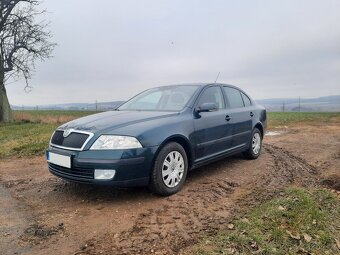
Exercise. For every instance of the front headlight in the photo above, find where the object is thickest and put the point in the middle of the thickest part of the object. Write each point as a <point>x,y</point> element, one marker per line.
<point>115,142</point>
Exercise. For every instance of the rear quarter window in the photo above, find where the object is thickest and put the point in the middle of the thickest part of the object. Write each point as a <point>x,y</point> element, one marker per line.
<point>234,97</point>
<point>246,99</point>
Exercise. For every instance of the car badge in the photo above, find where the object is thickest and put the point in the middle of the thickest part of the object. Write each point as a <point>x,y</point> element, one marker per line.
<point>67,132</point>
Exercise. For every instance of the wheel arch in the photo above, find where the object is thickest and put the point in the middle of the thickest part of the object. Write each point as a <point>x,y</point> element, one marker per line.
<point>184,142</point>
<point>259,126</point>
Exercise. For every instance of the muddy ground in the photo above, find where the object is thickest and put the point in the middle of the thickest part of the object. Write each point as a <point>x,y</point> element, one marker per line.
<point>41,214</point>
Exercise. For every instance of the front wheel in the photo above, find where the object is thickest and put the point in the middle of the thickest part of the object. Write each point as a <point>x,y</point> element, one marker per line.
<point>254,150</point>
<point>170,170</point>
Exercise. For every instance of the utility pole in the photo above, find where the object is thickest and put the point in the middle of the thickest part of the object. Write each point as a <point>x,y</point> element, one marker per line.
<point>299,104</point>
<point>283,107</point>
<point>96,105</point>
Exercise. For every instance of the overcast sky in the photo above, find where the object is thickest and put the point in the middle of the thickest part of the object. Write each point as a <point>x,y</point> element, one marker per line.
<point>110,50</point>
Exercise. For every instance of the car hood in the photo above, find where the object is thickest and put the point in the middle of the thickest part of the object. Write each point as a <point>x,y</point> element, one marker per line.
<point>113,119</point>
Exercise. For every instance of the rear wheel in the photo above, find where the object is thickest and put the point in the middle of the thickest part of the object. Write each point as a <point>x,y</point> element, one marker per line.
<point>254,150</point>
<point>170,170</point>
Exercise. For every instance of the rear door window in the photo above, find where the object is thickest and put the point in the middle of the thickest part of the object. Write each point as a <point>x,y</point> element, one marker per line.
<point>234,97</point>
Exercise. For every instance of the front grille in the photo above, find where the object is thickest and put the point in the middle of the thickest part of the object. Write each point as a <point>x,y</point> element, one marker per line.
<point>74,140</point>
<point>72,173</point>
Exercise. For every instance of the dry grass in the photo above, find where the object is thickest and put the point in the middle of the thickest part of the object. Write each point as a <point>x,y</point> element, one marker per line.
<point>48,117</point>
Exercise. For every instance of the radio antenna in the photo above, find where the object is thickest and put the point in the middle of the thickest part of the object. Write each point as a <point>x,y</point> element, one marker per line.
<point>217,76</point>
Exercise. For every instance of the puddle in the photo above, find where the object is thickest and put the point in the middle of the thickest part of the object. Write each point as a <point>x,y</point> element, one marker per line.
<point>272,133</point>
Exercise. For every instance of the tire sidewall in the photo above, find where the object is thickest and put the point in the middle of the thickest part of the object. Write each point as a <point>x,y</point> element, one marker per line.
<point>157,182</point>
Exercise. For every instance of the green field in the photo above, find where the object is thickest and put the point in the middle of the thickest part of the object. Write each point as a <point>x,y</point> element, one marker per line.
<point>29,134</point>
<point>297,222</point>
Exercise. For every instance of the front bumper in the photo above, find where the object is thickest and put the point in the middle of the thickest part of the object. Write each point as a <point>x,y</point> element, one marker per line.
<point>133,167</point>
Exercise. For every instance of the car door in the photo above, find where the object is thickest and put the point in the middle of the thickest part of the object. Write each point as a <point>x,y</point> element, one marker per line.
<point>240,117</point>
<point>211,132</point>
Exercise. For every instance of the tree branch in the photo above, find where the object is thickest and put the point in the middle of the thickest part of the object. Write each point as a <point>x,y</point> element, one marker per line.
<point>22,39</point>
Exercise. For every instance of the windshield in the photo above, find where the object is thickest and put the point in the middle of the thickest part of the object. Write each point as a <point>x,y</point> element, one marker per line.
<point>171,98</point>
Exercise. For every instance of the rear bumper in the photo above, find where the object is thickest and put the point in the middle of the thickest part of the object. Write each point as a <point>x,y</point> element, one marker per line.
<point>133,167</point>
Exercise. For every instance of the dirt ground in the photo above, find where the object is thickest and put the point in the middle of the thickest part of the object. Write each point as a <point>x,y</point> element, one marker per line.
<point>41,214</point>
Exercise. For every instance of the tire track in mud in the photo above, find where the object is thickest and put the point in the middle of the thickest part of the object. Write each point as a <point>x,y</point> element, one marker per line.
<point>203,207</point>
<point>289,169</point>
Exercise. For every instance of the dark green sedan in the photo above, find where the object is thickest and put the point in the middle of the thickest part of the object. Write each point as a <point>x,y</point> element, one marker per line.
<point>156,137</point>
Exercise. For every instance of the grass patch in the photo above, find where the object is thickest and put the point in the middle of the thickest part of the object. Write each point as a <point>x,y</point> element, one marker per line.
<point>299,222</point>
<point>31,131</point>
<point>276,119</point>
<point>24,139</point>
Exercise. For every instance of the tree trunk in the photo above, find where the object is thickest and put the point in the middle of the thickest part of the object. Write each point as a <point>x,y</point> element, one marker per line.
<point>5,108</point>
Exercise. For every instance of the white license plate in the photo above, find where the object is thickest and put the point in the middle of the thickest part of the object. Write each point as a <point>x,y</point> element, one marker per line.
<point>60,160</point>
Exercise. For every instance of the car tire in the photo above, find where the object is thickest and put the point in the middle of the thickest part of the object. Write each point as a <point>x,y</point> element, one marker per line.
<point>170,170</point>
<point>255,145</point>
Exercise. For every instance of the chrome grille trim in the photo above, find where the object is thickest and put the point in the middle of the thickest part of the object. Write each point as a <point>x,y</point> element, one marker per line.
<point>73,131</point>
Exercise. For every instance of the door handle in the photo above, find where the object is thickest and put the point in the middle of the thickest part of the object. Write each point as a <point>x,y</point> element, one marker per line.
<point>227,118</point>
<point>251,114</point>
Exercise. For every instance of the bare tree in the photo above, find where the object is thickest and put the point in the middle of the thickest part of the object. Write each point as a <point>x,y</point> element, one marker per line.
<point>23,40</point>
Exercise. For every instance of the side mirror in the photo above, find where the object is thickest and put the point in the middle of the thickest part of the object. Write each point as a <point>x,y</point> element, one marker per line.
<point>206,107</point>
